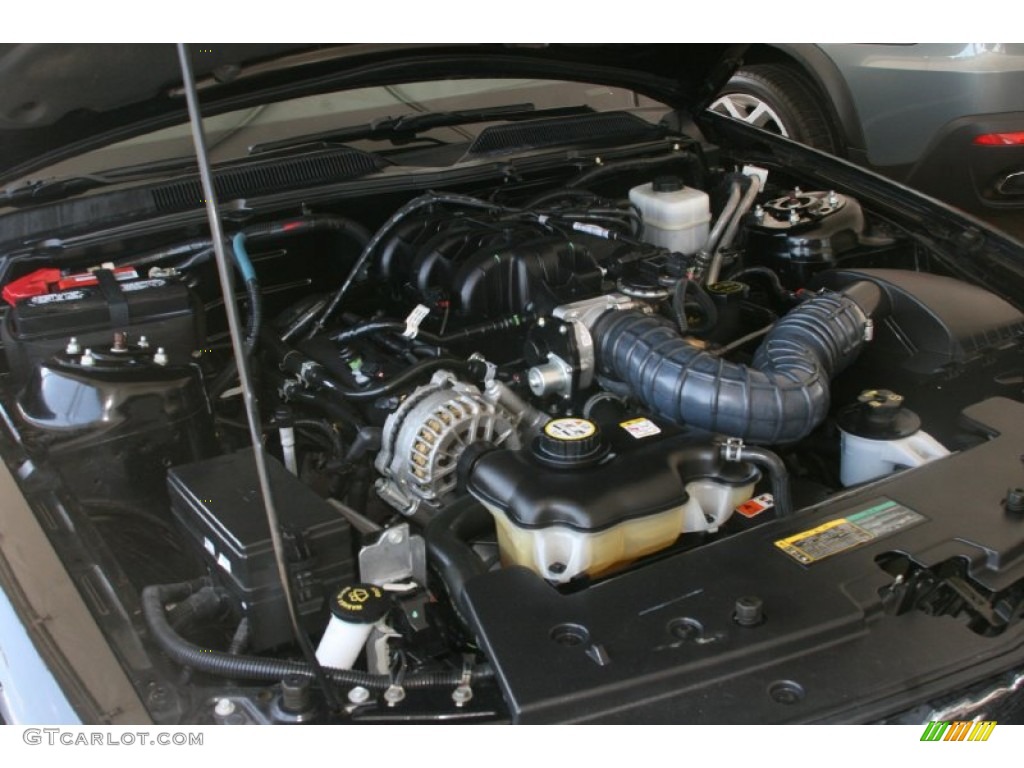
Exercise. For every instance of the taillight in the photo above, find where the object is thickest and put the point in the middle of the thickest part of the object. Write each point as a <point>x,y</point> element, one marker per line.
<point>1016,138</point>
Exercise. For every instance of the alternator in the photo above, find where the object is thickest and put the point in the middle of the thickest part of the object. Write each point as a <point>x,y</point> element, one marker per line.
<point>425,437</point>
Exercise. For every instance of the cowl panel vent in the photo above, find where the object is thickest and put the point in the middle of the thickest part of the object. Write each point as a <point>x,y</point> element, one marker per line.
<point>607,127</point>
<point>268,176</point>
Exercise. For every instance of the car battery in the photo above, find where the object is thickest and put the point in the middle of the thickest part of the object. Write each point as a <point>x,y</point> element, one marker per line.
<point>219,504</point>
<point>161,309</point>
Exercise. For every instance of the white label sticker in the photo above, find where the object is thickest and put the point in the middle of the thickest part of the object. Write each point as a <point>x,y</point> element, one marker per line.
<point>53,298</point>
<point>641,428</point>
<point>142,285</point>
<point>412,322</point>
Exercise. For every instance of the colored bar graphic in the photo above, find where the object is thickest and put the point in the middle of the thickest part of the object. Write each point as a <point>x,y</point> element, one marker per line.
<point>958,730</point>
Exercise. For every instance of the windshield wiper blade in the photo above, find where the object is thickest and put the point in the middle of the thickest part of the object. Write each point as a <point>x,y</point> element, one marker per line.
<point>60,187</point>
<point>406,127</point>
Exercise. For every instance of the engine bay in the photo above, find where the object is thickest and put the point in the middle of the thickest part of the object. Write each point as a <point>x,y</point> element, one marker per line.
<point>579,446</point>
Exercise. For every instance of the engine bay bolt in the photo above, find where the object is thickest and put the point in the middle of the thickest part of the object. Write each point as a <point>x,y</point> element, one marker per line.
<point>160,358</point>
<point>394,694</point>
<point>758,214</point>
<point>748,611</point>
<point>224,708</point>
<point>73,347</point>
<point>395,536</point>
<point>563,329</point>
<point>87,358</point>
<point>359,695</point>
<point>833,198</point>
<point>794,216</point>
<point>120,343</point>
<point>143,342</point>
<point>461,695</point>
<point>541,322</point>
<point>1014,501</point>
<point>296,696</point>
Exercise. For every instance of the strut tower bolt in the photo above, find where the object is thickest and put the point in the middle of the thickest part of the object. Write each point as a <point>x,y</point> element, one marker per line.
<point>143,342</point>
<point>394,694</point>
<point>359,695</point>
<point>73,347</point>
<point>748,611</point>
<point>224,708</point>
<point>1015,501</point>
<point>87,358</point>
<point>120,344</point>
<point>160,358</point>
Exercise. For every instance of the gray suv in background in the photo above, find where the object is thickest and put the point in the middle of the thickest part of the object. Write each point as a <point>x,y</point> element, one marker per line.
<point>946,118</point>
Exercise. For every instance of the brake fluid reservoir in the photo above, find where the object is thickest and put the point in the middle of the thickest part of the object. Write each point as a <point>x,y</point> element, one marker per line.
<point>354,611</point>
<point>675,216</point>
<point>880,436</point>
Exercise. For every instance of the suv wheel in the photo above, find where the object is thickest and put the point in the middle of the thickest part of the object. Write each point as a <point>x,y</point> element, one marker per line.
<point>779,99</point>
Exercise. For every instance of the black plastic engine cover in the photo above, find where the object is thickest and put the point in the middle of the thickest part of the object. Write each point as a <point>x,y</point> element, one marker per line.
<point>112,428</point>
<point>935,324</point>
<point>218,502</point>
<point>839,642</point>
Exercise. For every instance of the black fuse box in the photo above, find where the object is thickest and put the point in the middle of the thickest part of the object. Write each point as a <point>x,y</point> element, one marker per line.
<point>163,310</point>
<point>219,504</point>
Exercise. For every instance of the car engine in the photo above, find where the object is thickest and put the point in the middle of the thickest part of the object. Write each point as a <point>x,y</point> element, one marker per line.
<point>503,422</point>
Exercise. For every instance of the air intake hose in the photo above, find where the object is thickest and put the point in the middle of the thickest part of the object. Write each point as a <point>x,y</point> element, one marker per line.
<point>780,398</point>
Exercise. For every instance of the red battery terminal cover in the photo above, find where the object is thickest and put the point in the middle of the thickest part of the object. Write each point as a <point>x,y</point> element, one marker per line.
<point>49,279</point>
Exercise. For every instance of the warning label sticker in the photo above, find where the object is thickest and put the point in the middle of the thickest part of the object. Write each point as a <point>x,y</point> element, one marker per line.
<point>756,505</point>
<point>641,428</point>
<point>848,532</point>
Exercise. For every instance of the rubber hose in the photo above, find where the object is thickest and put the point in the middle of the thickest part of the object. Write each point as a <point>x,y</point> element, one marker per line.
<point>731,204</point>
<point>464,334</point>
<point>314,375</point>
<point>731,229</point>
<point>777,473</point>
<point>223,664</point>
<point>702,300</point>
<point>447,537</point>
<point>780,398</point>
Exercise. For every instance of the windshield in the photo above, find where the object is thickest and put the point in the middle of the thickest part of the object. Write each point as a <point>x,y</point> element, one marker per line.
<point>232,134</point>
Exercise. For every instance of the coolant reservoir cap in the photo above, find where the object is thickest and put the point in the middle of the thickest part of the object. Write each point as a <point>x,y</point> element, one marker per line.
<point>360,604</point>
<point>667,184</point>
<point>569,442</point>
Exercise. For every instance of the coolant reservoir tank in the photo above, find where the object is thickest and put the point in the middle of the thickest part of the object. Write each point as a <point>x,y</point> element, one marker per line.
<point>582,499</point>
<point>675,216</point>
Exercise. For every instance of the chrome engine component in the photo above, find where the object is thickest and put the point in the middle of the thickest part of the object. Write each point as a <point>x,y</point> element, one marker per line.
<point>556,376</point>
<point>424,438</point>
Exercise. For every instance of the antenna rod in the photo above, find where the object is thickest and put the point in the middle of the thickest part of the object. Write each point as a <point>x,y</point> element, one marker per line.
<point>242,362</point>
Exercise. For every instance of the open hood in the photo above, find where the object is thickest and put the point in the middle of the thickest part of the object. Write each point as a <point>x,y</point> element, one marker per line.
<point>60,100</point>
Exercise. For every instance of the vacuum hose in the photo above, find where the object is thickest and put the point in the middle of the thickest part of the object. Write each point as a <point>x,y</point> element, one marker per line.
<point>780,398</point>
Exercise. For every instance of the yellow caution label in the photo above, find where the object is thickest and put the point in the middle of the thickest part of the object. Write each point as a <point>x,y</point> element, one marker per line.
<point>845,533</point>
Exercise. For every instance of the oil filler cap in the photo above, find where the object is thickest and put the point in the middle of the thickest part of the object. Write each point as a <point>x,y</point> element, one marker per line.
<point>569,442</point>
